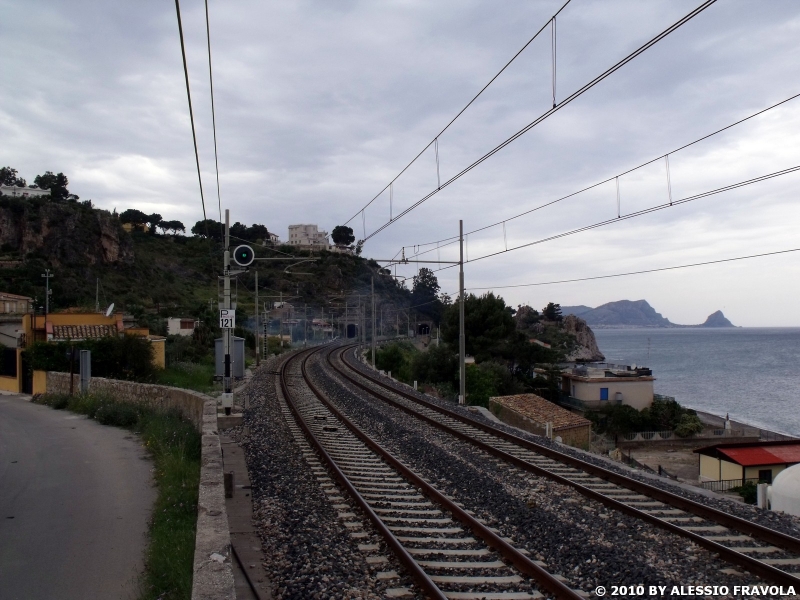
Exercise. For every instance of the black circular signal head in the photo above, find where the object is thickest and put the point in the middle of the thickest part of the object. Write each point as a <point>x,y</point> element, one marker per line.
<point>244,256</point>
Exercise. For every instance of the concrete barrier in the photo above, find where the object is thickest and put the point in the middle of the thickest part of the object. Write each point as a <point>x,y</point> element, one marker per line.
<point>213,572</point>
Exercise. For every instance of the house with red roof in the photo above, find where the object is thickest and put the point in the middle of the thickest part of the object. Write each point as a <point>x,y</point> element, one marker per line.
<point>739,463</point>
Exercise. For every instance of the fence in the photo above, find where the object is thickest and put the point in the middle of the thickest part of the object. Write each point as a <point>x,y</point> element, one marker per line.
<point>727,484</point>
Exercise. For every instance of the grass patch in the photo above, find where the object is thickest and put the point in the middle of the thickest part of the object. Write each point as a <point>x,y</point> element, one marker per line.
<point>190,376</point>
<point>174,444</point>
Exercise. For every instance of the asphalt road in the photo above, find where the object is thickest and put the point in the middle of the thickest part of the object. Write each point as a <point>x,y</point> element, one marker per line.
<point>75,497</point>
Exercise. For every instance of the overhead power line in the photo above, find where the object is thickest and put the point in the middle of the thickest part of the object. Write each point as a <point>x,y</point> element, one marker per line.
<point>699,264</point>
<point>191,113</point>
<point>449,240</point>
<point>576,94</point>
<point>638,213</point>
<point>434,141</point>
<point>213,114</point>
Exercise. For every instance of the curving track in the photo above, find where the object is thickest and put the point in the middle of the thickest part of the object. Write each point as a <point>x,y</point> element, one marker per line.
<point>448,552</point>
<point>770,554</point>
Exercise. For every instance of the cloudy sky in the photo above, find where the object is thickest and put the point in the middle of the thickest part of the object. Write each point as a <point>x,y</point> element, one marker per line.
<point>320,104</point>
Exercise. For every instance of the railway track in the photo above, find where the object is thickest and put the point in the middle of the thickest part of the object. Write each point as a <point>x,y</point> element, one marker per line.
<point>765,552</point>
<point>448,552</point>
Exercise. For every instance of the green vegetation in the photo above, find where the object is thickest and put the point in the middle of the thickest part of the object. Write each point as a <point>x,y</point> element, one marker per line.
<point>174,444</point>
<point>127,357</point>
<point>748,492</point>
<point>189,375</point>
<point>662,415</point>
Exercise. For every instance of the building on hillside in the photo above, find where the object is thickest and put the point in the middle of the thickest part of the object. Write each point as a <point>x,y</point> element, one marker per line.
<point>596,386</point>
<point>181,325</point>
<point>733,465</point>
<point>14,304</point>
<point>542,417</point>
<point>22,192</point>
<point>308,237</point>
<point>273,237</point>
<point>144,227</point>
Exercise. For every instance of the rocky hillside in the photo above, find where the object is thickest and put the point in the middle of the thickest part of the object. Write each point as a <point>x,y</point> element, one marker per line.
<point>166,275</point>
<point>717,319</point>
<point>586,349</point>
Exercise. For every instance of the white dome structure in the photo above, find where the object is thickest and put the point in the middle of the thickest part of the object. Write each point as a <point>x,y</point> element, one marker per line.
<point>784,494</point>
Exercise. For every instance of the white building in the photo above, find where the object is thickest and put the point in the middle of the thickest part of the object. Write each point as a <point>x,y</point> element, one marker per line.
<point>23,192</point>
<point>181,325</point>
<point>308,237</point>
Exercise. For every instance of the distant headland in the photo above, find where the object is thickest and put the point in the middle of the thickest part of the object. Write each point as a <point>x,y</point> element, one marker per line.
<point>634,313</point>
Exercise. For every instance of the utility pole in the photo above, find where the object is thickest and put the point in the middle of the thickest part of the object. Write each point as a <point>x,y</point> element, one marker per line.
<point>373,322</point>
<point>257,332</point>
<point>227,391</point>
<point>97,295</point>
<point>47,275</point>
<point>462,384</point>
<point>305,325</point>
<point>280,321</point>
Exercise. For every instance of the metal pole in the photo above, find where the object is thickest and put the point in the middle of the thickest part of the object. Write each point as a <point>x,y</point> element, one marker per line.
<point>373,323</point>
<point>346,320</point>
<point>305,325</point>
<point>47,275</point>
<point>257,333</point>
<point>227,399</point>
<point>280,321</point>
<point>462,384</point>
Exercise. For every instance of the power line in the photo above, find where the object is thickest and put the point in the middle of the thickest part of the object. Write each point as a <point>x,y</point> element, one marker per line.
<point>451,239</point>
<point>639,213</point>
<point>700,264</point>
<point>586,87</point>
<point>434,141</point>
<point>213,115</point>
<point>191,113</point>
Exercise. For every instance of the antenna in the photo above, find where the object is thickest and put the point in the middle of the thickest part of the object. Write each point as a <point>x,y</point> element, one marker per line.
<point>110,309</point>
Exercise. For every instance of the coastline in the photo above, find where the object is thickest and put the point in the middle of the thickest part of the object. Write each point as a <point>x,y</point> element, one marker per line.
<point>717,421</point>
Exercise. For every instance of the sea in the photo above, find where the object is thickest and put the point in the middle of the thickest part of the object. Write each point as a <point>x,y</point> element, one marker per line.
<point>749,373</point>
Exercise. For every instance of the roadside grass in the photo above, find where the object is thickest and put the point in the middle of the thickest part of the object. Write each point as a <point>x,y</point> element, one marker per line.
<point>191,376</point>
<point>174,444</point>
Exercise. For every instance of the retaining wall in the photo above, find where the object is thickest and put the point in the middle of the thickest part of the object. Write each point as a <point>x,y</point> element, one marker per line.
<point>213,573</point>
<point>576,435</point>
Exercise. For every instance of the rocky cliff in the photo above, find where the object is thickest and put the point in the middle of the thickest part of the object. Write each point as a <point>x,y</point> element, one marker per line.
<point>625,313</point>
<point>586,349</point>
<point>61,233</point>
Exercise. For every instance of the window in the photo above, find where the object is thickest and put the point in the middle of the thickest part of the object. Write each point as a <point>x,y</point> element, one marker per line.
<point>603,393</point>
<point>765,475</point>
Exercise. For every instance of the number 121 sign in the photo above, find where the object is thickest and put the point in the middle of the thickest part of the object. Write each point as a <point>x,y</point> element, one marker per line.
<point>227,318</point>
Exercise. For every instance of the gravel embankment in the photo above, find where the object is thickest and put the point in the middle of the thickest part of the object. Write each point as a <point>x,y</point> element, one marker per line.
<point>580,539</point>
<point>309,553</point>
<point>780,522</point>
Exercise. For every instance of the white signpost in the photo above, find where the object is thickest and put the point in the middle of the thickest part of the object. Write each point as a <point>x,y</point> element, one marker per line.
<point>227,318</point>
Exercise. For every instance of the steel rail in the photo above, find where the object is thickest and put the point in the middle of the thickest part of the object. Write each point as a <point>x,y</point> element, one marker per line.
<point>417,573</point>
<point>731,555</point>
<point>524,564</point>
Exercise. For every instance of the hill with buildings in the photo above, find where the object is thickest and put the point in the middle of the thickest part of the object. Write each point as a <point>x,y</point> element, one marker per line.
<point>94,259</point>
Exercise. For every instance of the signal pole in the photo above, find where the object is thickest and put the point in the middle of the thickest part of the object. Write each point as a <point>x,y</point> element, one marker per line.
<point>257,334</point>
<point>373,322</point>
<point>47,275</point>
<point>462,384</point>
<point>227,392</point>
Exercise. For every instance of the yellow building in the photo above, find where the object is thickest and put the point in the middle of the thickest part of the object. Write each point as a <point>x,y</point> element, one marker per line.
<point>740,463</point>
<point>62,327</point>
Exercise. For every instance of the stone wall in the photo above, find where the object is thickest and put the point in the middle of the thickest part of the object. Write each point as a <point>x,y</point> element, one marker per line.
<point>213,573</point>
<point>159,397</point>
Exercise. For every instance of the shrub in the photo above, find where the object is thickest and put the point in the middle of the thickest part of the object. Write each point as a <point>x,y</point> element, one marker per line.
<point>119,414</point>
<point>689,424</point>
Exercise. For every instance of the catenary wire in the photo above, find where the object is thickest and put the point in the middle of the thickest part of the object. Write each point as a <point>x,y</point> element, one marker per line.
<point>607,180</point>
<point>699,264</point>
<point>213,113</point>
<point>576,94</point>
<point>637,213</point>
<point>191,113</point>
<point>453,120</point>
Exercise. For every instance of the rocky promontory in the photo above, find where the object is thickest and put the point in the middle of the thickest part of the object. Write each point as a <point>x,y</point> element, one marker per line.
<point>586,349</point>
<point>717,319</point>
